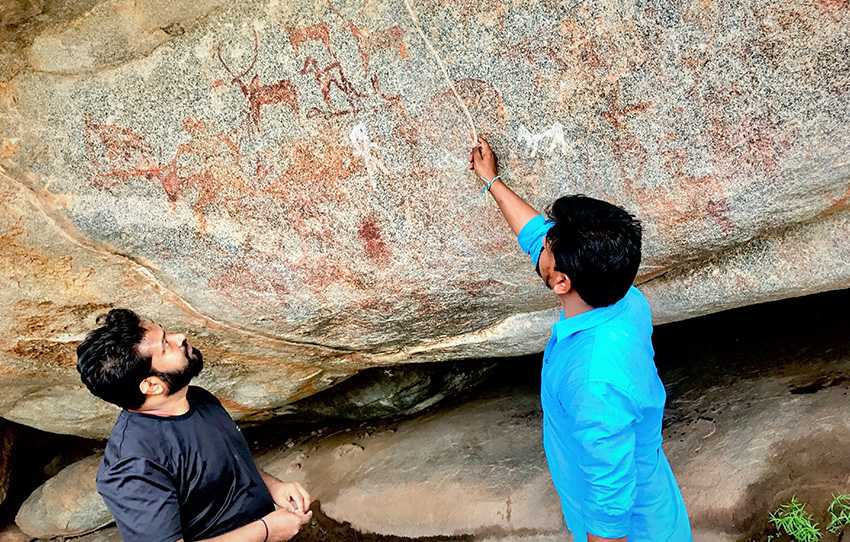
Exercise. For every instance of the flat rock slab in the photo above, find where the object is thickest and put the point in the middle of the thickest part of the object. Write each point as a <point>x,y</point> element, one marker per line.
<point>761,442</point>
<point>474,469</point>
<point>110,534</point>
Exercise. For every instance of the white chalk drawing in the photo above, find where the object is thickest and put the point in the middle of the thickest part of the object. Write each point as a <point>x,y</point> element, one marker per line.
<point>363,148</point>
<point>548,140</point>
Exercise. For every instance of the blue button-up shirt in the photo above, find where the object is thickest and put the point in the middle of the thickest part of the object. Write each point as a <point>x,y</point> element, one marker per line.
<point>602,408</point>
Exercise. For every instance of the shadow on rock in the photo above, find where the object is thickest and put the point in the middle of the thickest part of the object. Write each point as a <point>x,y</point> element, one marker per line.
<point>325,529</point>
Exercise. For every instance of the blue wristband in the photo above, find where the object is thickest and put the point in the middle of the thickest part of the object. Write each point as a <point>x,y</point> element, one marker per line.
<point>487,185</point>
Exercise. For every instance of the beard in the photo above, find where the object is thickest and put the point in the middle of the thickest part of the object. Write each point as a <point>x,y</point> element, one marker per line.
<point>177,380</point>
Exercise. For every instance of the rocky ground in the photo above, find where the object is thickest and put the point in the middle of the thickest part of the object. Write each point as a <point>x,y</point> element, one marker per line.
<point>757,414</point>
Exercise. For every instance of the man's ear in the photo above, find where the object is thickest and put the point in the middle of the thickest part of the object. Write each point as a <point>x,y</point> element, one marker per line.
<point>562,284</point>
<point>152,385</point>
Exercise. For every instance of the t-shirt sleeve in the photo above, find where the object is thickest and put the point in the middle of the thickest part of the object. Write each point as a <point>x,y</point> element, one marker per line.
<point>531,237</point>
<point>604,431</point>
<point>142,498</point>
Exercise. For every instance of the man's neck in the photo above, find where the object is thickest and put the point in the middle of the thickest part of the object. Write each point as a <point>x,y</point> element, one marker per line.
<point>573,305</point>
<point>175,404</point>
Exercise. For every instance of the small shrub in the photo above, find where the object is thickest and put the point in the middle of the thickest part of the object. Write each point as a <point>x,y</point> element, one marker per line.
<point>792,519</point>
<point>839,513</point>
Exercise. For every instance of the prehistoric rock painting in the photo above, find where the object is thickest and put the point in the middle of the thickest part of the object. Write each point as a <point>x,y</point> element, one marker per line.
<point>548,141</point>
<point>339,94</point>
<point>686,198</point>
<point>214,165</point>
<point>208,163</point>
<point>258,94</point>
<point>304,167</point>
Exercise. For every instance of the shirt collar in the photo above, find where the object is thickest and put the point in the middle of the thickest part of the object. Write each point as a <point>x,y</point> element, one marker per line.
<point>566,327</point>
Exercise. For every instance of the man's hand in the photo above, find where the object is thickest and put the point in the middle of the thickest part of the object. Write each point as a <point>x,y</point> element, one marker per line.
<point>287,495</point>
<point>594,538</point>
<point>291,496</point>
<point>284,524</point>
<point>483,161</point>
<point>515,209</point>
<point>279,526</point>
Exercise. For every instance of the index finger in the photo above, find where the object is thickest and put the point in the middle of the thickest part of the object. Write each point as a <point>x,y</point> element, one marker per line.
<point>305,497</point>
<point>305,518</point>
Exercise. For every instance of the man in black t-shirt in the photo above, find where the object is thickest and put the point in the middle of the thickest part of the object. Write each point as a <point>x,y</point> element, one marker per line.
<point>176,466</point>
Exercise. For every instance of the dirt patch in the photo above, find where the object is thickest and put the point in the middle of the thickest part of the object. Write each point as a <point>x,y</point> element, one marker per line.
<point>325,529</point>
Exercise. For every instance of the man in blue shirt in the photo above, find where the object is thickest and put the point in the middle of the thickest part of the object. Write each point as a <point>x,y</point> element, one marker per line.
<point>602,399</point>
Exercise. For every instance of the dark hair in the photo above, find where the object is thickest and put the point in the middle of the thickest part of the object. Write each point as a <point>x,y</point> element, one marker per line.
<point>109,362</point>
<point>597,245</point>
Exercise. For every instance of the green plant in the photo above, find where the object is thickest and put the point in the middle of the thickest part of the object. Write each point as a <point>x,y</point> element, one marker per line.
<point>839,513</point>
<point>792,518</point>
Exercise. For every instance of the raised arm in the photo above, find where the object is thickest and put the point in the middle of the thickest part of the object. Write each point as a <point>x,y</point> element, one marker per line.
<point>516,210</point>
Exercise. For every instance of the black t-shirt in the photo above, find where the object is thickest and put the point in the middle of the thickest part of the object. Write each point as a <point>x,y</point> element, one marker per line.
<point>189,476</point>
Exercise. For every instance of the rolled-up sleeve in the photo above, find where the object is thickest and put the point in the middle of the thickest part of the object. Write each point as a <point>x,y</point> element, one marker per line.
<point>531,237</point>
<point>142,498</point>
<point>604,431</point>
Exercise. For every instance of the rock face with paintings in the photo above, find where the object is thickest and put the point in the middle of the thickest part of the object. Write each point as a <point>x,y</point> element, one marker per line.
<point>287,182</point>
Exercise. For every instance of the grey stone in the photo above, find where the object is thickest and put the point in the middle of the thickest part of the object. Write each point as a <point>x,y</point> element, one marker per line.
<point>739,447</point>
<point>747,447</point>
<point>386,393</point>
<point>287,181</point>
<point>66,505</point>
<point>110,534</point>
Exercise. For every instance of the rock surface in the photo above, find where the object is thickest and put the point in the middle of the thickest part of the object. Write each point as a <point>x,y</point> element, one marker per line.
<point>473,469</point>
<point>286,180</point>
<point>110,534</point>
<point>376,394</point>
<point>65,505</point>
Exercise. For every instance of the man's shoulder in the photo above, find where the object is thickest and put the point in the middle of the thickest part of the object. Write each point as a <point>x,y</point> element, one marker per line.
<point>614,351</point>
<point>632,323</point>
<point>134,437</point>
<point>638,304</point>
<point>202,400</point>
<point>200,396</point>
